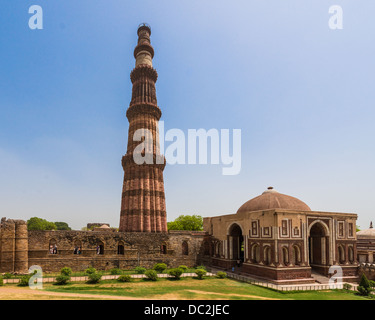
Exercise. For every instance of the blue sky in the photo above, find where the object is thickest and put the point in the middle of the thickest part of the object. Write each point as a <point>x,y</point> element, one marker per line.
<point>302,94</point>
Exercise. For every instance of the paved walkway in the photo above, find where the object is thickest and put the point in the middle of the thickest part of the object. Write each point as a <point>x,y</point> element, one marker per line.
<point>297,287</point>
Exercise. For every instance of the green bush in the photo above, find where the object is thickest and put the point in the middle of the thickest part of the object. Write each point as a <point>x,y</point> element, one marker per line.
<point>221,275</point>
<point>160,267</point>
<point>94,277</point>
<point>66,271</point>
<point>124,278</point>
<point>62,279</point>
<point>347,286</point>
<point>364,288</point>
<point>1,281</point>
<point>184,268</point>
<point>140,270</point>
<point>176,273</point>
<point>24,280</point>
<point>90,270</point>
<point>372,283</point>
<point>200,273</point>
<point>116,271</point>
<point>151,275</point>
<point>7,276</point>
<point>201,267</point>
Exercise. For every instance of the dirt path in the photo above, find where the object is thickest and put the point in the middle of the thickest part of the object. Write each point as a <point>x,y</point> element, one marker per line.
<point>15,293</point>
<point>28,294</point>
<point>232,295</point>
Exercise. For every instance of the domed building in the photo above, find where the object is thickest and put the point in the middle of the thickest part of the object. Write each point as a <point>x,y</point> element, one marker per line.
<point>278,237</point>
<point>366,251</point>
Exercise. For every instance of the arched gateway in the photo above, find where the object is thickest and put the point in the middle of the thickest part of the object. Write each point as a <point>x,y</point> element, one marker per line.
<point>319,246</point>
<point>236,242</point>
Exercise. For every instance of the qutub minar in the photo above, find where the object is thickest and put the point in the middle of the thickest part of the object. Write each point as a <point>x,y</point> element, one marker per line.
<point>143,200</point>
<point>273,237</point>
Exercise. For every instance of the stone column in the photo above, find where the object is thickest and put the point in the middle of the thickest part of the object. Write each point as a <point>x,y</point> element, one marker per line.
<point>8,232</point>
<point>323,250</point>
<point>246,248</point>
<point>230,247</point>
<point>21,259</point>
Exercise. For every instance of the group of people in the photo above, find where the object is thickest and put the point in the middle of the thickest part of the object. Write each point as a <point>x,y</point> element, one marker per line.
<point>77,250</point>
<point>53,249</point>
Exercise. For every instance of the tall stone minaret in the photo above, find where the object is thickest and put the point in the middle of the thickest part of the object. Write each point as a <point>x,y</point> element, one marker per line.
<point>143,199</point>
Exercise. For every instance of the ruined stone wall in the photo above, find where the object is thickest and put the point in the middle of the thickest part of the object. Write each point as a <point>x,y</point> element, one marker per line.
<point>139,249</point>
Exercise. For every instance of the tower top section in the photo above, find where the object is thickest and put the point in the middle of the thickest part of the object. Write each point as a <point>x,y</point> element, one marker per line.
<point>143,52</point>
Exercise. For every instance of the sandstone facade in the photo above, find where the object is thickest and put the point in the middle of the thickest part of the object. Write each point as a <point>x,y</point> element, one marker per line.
<point>283,244</point>
<point>143,200</point>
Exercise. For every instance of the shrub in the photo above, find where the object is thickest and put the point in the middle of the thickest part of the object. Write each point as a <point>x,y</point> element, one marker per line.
<point>124,278</point>
<point>94,277</point>
<point>140,270</point>
<point>7,276</point>
<point>151,275</point>
<point>24,280</point>
<point>62,279</point>
<point>372,283</point>
<point>183,268</point>
<point>1,281</point>
<point>200,273</point>
<point>176,273</point>
<point>364,288</point>
<point>90,270</point>
<point>201,267</point>
<point>116,271</point>
<point>363,291</point>
<point>66,271</point>
<point>221,275</point>
<point>347,286</point>
<point>160,267</point>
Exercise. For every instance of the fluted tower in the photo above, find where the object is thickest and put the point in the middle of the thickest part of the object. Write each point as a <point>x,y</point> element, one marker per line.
<point>143,199</point>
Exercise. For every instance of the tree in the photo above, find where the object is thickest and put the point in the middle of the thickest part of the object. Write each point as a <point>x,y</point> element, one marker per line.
<point>36,223</point>
<point>193,223</point>
<point>364,287</point>
<point>62,226</point>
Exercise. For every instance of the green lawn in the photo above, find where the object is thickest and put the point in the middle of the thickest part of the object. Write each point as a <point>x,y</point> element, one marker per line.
<point>190,288</point>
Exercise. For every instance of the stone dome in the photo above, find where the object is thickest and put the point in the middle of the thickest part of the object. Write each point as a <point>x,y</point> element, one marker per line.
<point>367,233</point>
<point>271,199</point>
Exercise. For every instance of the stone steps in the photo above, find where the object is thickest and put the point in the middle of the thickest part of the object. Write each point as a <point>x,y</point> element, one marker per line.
<point>319,278</point>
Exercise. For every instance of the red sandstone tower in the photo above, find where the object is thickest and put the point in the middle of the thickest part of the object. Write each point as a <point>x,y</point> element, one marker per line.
<point>143,199</point>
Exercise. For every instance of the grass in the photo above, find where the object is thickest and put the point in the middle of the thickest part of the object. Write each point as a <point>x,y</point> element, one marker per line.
<point>190,288</point>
